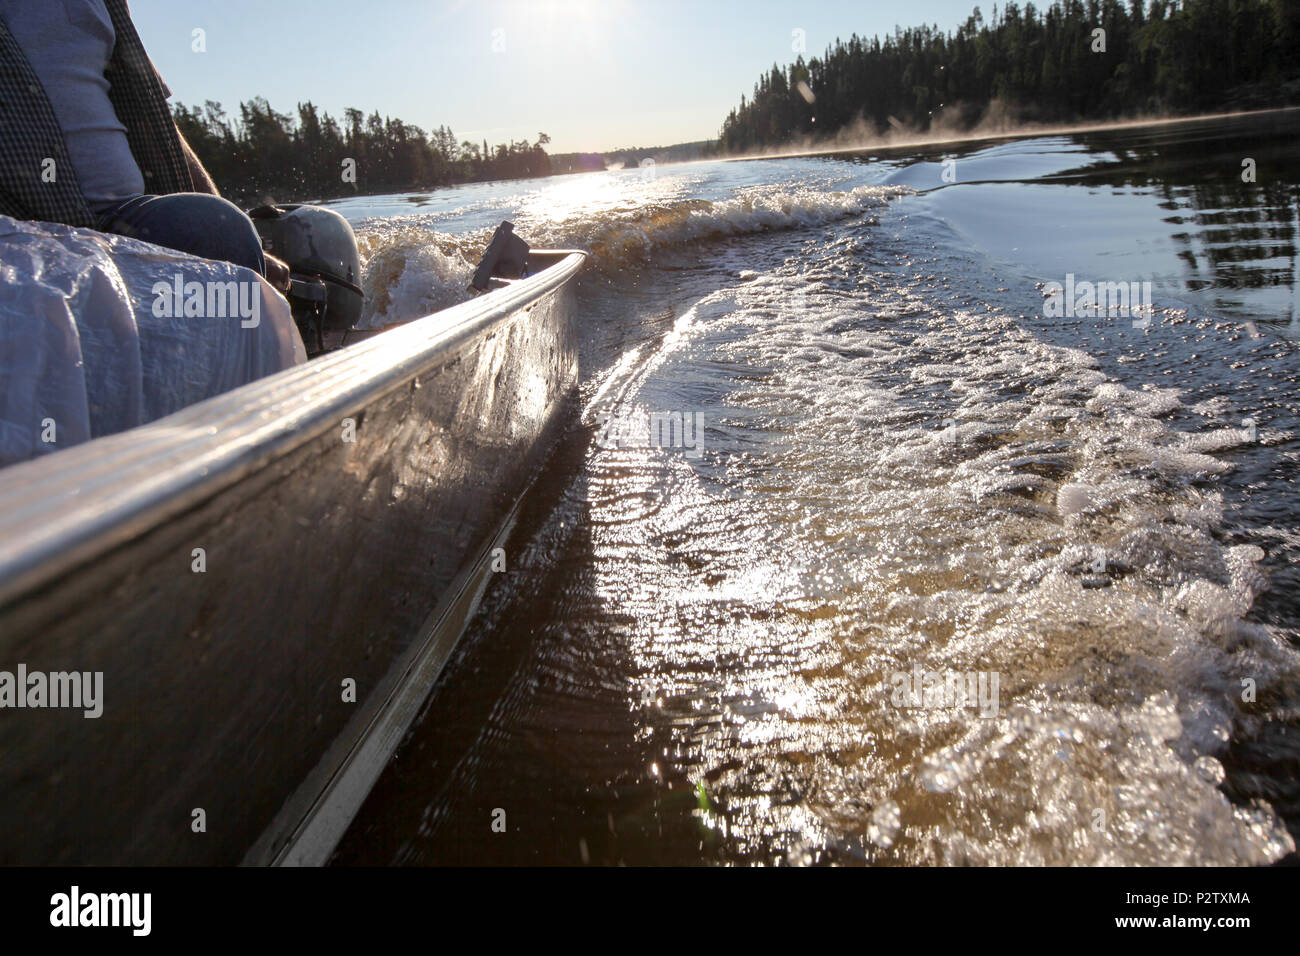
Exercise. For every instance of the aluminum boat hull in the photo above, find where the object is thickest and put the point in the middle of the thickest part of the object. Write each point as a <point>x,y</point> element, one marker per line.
<point>229,732</point>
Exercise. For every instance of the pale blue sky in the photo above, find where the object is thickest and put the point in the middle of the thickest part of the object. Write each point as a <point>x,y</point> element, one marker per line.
<point>594,74</point>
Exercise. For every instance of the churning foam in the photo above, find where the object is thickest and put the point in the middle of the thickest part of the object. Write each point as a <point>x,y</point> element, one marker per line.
<point>410,271</point>
<point>899,484</point>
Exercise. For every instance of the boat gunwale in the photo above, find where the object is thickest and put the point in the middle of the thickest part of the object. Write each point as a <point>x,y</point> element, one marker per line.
<point>62,510</point>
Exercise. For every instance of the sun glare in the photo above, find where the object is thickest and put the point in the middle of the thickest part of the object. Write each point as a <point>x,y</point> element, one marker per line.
<point>560,24</point>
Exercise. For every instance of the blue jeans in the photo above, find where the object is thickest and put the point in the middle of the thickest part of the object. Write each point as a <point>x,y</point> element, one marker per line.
<point>197,223</point>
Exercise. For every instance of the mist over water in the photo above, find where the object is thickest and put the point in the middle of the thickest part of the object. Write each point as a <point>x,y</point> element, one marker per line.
<point>907,469</point>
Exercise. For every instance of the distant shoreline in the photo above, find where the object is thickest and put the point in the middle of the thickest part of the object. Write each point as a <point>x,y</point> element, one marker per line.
<point>1026,131</point>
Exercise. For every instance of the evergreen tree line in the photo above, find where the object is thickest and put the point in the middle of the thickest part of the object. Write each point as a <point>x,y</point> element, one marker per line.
<point>1037,65</point>
<point>267,155</point>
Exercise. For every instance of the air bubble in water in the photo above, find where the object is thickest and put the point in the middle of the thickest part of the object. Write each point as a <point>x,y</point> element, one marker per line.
<point>1209,770</point>
<point>885,821</point>
<point>939,777</point>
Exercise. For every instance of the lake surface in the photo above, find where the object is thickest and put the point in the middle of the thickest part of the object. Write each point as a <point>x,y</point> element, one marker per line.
<point>842,439</point>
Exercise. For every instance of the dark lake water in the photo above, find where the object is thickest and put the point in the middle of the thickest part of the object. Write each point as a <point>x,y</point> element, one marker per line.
<point>864,544</point>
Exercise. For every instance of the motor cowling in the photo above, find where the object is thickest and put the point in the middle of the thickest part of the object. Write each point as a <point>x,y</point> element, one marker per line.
<point>320,249</point>
<point>506,257</point>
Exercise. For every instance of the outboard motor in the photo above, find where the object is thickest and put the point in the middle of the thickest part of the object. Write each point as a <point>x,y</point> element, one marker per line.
<point>506,256</point>
<point>324,268</point>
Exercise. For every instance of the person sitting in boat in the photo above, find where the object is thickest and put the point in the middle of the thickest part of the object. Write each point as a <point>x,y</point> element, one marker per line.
<point>88,140</point>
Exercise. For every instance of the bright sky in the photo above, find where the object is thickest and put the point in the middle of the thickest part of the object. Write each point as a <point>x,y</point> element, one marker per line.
<point>594,74</point>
